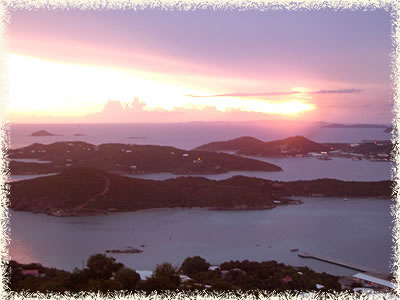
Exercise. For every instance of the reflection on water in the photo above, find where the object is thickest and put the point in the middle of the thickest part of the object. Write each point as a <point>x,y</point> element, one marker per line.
<point>12,178</point>
<point>30,160</point>
<point>357,231</point>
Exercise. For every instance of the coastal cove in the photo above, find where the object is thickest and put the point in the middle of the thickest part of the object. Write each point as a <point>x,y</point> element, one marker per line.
<point>356,231</point>
<point>305,168</point>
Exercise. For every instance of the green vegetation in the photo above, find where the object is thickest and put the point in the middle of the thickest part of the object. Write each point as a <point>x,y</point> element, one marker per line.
<point>193,265</point>
<point>127,278</point>
<point>123,158</point>
<point>164,277</point>
<point>291,146</point>
<point>104,274</point>
<point>102,266</point>
<point>90,191</point>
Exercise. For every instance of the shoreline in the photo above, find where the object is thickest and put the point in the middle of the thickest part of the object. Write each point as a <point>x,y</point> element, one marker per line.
<point>294,201</point>
<point>88,213</point>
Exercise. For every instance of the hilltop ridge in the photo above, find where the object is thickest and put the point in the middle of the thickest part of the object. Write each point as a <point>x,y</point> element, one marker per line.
<point>128,158</point>
<point>81,191</point>
<point>297,145</point>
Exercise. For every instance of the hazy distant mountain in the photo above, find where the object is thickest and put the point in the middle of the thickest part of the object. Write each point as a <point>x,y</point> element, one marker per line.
<point>291,146</point>
<point>335,125</point>
<point>253,146</point>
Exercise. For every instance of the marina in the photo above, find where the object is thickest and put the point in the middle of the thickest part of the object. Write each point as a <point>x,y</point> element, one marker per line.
<point>337,262</point>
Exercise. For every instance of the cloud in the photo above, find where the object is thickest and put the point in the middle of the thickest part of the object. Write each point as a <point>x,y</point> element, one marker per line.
<point>274,93</point>
<point>246,94</point>
<point>344,91</point>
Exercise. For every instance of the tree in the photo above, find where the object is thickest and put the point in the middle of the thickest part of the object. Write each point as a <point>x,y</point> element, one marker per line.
<point>165,277</point>
<point>102,266</point>
<point>128,278</point>
<point>193,265</point>
<point>93,285</point>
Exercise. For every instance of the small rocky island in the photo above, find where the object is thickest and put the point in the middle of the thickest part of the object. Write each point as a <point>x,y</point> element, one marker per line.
<point>130,250</point>
<point>43,133</point>
<point>77,192</point>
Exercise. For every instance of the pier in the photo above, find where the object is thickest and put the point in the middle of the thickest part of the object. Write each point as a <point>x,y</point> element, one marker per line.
<point>337,262</point>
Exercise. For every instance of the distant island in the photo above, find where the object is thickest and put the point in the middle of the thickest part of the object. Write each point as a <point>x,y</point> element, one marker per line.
<point>301,146</point>
<point>76,192</point>
<point>79,134</point>
<point>335,125</point>
<point>130,250</point>
<point>43,133</point>
<point>129,159</point>
<point>137,137</point>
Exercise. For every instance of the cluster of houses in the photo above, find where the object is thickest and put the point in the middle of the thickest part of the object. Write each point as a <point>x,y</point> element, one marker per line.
<point>360,282</point>
<point>35,272</point>
<point>327,155</point>
<point>340,153</point>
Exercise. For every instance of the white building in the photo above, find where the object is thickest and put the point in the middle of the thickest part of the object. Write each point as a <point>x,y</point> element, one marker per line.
<point>372,280</point>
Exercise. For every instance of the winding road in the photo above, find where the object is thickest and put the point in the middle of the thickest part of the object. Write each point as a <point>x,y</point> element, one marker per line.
<point>102,193</point>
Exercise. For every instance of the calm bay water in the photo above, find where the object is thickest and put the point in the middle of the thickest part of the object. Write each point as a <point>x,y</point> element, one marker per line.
<point>357,231</point>
<point>306,168</point>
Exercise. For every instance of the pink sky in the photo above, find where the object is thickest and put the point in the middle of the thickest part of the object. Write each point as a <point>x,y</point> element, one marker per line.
<point>242,65</point>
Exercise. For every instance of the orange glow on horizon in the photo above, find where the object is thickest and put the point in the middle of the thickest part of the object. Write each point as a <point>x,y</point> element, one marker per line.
<point>48,88</point>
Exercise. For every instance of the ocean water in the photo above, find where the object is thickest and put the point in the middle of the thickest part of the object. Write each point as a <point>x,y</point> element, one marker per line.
<point>357,231</point>
<point>306,168</point>
<point>191,135</point>
<point>186,135</point>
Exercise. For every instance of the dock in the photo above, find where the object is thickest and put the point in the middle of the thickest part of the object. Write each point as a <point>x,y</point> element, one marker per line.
<point>337,262</point>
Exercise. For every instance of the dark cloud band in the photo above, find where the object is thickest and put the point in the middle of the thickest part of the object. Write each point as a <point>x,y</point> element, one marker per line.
<point>344,91</point>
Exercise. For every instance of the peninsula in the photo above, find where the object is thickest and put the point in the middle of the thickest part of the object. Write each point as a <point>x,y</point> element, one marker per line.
<point>301,146</point>
<point>128,159</point>
<point>90,191</point>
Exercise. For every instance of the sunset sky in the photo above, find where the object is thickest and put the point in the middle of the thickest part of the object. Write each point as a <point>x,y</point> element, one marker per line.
<point>316,66</point>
